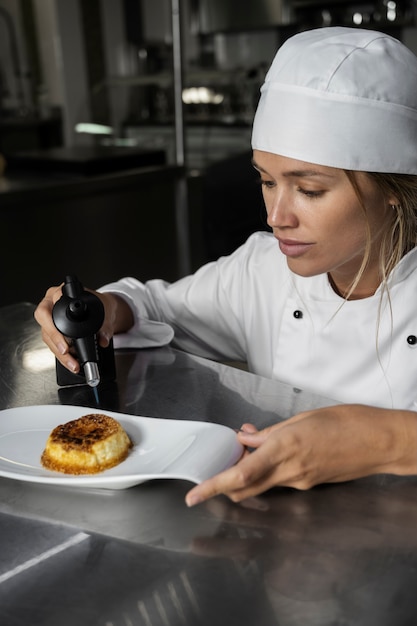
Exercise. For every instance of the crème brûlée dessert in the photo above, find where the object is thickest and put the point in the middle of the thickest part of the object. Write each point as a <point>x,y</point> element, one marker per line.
<point>87,445</point>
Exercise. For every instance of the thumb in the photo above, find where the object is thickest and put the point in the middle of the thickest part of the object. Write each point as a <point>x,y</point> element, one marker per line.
<point>252,439</point>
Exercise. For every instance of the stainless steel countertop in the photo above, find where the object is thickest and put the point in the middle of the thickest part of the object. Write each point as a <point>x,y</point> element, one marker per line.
<point>342,555</point>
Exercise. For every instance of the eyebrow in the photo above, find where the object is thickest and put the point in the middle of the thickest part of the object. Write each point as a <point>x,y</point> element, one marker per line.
<point>294,173</point>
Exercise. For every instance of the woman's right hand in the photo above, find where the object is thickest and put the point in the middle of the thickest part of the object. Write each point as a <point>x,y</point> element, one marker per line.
<point>118,317</point>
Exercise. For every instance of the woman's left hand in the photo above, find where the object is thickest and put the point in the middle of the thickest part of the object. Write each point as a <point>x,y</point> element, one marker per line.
<point>332,444</point>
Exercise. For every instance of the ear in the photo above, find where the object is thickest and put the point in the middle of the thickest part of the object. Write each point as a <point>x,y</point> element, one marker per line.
<point>393,200</point>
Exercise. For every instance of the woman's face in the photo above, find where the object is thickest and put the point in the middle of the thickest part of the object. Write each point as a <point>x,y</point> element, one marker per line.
<point>319,222</point>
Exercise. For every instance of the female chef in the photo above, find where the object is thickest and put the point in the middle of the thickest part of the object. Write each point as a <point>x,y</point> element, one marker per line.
<point>326,302</point>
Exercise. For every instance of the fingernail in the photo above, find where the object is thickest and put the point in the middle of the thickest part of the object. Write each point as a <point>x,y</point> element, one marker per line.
<point>192,500</point>
<point>62,347</point>
<point>73,366</point>
<point>105,336</point>
<point>247,430</point>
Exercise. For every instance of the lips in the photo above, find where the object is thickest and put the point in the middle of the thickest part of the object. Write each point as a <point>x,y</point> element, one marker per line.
<point>293,248</point>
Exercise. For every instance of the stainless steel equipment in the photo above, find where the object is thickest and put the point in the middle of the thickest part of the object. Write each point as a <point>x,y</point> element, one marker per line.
<point>232,15</point>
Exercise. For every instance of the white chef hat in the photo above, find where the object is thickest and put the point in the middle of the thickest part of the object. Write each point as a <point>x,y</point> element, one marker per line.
<point>341,97</point>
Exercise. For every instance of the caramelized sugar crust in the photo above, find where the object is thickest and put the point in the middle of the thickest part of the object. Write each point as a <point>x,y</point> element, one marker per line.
<point>87,445</point>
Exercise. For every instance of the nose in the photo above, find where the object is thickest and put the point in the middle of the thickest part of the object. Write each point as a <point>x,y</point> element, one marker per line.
<point>280,211</point>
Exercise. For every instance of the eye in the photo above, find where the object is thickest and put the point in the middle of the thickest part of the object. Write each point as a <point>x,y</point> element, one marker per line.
<point>268,184</point>
<point>310,193</point>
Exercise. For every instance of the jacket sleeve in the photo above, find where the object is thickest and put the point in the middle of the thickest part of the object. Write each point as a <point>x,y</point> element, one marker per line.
<point>202,313</point>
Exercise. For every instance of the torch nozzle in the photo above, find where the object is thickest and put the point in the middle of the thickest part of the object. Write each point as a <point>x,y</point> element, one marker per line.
<point>92,374</point>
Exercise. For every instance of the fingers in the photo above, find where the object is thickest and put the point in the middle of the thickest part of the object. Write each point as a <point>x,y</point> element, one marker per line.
<point>276,460</point>
<point>251,437</point>
<point>107,330</point>
<point>104,336</point>
<point>251,476</point>
<point>55,341</point>
<point>43,315</point>
<point>248,428</point>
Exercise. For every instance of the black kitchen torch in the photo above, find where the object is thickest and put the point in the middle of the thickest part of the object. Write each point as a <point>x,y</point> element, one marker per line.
<point>79,315</point>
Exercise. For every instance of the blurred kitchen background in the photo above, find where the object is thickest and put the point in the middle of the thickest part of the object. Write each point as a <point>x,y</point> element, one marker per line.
<point>125,129</point>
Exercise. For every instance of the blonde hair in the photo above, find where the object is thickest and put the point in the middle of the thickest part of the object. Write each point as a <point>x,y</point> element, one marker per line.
<point>400,234</point>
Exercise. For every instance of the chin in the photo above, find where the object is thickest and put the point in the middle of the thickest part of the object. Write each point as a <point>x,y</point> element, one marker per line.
<point>305,270</point>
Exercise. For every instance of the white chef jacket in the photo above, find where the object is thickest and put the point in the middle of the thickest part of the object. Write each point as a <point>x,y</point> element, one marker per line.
<point>250,307</point>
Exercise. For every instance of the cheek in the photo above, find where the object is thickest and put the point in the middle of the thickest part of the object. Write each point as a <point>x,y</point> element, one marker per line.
<point>348,238</point>
<point>348,223</point>
<point>380,219</point>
